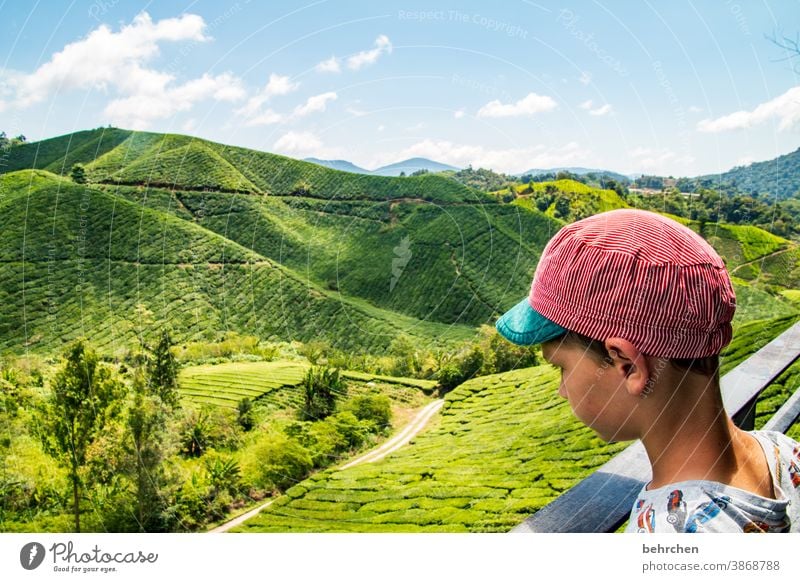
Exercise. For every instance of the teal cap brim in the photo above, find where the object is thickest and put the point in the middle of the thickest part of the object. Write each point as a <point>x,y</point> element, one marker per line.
<point>525,326</point>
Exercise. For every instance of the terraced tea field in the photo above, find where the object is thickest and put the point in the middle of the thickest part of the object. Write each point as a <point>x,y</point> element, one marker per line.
<point>227,384</point>
<point>277,384</point>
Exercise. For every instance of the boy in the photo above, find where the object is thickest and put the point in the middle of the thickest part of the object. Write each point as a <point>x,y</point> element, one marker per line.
<point>634,309</point>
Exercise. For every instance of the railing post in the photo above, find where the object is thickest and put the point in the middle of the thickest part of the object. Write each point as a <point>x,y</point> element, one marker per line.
<point>745,419</point>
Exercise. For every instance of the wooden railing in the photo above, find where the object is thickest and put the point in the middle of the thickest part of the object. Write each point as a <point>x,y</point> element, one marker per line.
<point>602,502</point>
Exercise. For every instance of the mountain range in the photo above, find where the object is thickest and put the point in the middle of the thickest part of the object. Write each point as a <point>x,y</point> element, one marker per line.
<point>406,167</point>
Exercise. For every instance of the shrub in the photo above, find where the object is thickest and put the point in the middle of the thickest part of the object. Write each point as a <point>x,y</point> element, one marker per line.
<point>277,461</point>
<point>376,408</point>
<point>206,427</point>
<point>246,417</point>
<point>355,432</point>
<point>78,174</point>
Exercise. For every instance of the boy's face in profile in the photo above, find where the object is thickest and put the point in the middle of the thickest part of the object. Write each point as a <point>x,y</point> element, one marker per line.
<point>596,391</point>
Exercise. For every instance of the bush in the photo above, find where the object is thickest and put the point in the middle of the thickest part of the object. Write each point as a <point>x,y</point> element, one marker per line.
<point>277,461</point>
<point>205,428</point>
<point>376,408</point>
<point>355,432</point>
<point>246,414</point>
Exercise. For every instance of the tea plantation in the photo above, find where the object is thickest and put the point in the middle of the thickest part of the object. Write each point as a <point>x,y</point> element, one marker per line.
<point>277,384</point>
<point>505,446</point>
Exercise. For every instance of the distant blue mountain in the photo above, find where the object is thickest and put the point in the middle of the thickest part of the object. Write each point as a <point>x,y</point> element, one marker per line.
<point>408,166</point>
<point>412,165</point>
<point>342,165</point>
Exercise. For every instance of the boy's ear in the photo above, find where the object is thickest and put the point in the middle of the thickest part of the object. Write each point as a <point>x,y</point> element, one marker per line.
<point>631,363</point>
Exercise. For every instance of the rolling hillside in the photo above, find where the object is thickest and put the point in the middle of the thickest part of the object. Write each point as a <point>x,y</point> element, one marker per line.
<point>779,177</point>
<point>78,261</point>
<point>208,238</point>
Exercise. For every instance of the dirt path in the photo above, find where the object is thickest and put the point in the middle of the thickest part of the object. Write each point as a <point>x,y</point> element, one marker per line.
<point>400,439</point>
<point>762,258</point>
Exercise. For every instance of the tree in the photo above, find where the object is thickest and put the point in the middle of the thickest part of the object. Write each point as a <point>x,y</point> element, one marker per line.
<point>147,419</point>
<point>319,387</point>
<point>86,395</point>
<point>246,416</point>
<point>78,174</point>
<point>162,370</point>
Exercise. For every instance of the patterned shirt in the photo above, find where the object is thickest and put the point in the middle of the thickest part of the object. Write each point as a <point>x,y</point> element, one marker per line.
<point>709,506</point>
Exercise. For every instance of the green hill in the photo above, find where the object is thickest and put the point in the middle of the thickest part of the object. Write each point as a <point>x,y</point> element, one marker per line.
<point>778,177</point>
<point>567,200</point>
<point>78,261</point>
<point>121,156</point>
<point>210,238</point>
<point>58,154</point>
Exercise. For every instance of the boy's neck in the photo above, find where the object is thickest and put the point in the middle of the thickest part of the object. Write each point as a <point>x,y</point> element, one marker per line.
<point>700,442</point>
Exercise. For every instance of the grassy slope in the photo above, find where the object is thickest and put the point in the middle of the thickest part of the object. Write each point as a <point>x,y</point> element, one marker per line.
<point>58,154</point>
<point>77,261</point>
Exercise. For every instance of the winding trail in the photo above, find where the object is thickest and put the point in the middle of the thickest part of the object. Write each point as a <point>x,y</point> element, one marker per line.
<point>400,439</point>
<point>763,257</point>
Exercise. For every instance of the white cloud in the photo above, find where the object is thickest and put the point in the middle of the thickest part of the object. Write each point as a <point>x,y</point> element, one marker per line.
<point>118,62</point>
<point>694,109</point>
<point>297,141</point>
<point>330,65</point>
<point>107,59</point>
<point>785,108</point>
<point>358,60</point>
<point>304,144</point>
<point>604,110</point>
<point>138,111</point>
<point>265,117</point>
<point>656,160</point>
<point>585,78</point>
<point>381,127</point>
<point>314,104</point>
<point>458,114</point>
<point>528,105</point>
<point>277,85</point>
<point>512,160</point>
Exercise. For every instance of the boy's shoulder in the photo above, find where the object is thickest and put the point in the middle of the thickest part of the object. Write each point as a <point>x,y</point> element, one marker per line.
<point>710,506</point>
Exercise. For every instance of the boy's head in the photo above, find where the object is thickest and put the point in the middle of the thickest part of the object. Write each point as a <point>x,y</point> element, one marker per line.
<point>627,285</point>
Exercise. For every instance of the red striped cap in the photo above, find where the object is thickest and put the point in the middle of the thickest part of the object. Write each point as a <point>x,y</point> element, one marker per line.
<point>632,274</point>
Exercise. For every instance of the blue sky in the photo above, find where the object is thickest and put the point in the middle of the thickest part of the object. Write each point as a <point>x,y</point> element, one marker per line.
<point>681,88</point>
